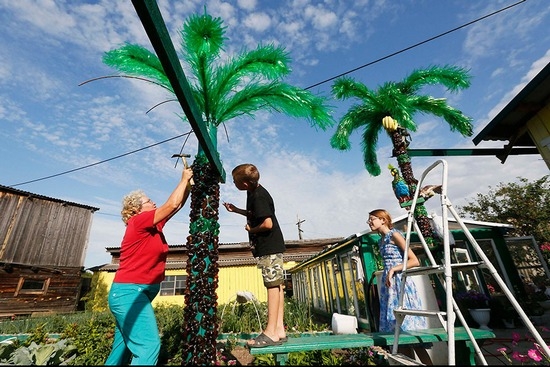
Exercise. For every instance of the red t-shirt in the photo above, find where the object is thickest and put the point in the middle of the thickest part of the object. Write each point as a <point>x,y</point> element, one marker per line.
<point>143,251</point>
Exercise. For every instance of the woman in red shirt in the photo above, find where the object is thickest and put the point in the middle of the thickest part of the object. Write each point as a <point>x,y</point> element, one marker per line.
<point>137,281</point>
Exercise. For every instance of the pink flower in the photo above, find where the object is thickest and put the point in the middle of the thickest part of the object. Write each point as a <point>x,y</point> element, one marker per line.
<point>520,357</point>
<point>515,338</point>
<point>534,355</point>
<point>545,247</point>
<point>502,350</point>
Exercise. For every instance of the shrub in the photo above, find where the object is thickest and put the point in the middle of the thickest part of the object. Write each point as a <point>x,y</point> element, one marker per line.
<point>299,317</point>
<point>169,320</point>
<point>97,298</point>
<point>52,324</point>
<point>93,339</point>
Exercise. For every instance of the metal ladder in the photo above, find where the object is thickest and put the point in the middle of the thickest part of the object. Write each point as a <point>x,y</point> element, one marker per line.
<point>448,317</point>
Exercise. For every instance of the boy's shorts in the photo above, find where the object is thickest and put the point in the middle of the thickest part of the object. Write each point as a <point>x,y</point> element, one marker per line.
<point>272,269</point>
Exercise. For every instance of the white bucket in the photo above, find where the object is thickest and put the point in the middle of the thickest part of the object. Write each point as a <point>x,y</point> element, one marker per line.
<point>344,324</point>
<point>424,288</point>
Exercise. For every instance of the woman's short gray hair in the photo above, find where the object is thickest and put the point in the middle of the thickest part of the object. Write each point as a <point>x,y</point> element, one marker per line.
<point>131,205</point>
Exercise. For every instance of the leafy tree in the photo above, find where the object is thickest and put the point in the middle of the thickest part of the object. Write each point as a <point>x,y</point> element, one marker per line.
<point>523,204</point>
<point>242,85</point>
<point>97,298</point>
<point>391,109</point>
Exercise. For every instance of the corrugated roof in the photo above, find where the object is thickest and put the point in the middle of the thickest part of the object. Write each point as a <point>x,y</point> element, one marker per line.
<point>42,197</point>
<point>297,250</point>
<point>245,245</point>
<point>238,261</point>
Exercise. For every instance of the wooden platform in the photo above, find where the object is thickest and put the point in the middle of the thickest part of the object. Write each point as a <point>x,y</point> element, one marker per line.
<point>465,353</point>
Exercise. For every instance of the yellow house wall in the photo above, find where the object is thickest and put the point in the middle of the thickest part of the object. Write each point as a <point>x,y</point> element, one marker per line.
<point>106,278</point>
<point>230,281</point>
<point>539,129</point>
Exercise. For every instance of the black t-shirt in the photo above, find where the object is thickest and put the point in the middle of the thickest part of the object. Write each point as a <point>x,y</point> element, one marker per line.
<point>259,205</point>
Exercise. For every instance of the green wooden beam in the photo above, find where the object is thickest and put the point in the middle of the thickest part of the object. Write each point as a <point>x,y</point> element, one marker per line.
<point>497,152</point>
<point>154,25</point>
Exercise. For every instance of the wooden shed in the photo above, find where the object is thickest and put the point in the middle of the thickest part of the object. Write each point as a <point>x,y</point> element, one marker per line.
<point>43,244</point>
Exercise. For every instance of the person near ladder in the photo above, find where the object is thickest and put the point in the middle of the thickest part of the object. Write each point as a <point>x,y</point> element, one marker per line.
<point>267,245</point>
<point>392,246</point>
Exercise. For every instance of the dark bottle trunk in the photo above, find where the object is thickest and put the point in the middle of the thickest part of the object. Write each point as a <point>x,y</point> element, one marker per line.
<point>400,145</point>
<point>200,328</point>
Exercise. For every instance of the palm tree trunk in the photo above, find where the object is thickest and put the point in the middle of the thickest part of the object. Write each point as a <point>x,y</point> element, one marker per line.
<point>404,162</point>
<point>200,329</point>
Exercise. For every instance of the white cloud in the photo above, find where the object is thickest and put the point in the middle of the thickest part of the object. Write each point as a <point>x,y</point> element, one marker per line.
<point>224,10</point>
<point>258,22</point>
<point>320,17</point>
<point>247,4</point>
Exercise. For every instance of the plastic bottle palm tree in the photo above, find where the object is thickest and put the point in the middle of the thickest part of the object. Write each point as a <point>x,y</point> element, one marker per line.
<point>391,108</point>
<point>249,82</point>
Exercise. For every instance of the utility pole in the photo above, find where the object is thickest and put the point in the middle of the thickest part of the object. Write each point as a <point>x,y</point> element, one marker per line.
<point>299,223</point>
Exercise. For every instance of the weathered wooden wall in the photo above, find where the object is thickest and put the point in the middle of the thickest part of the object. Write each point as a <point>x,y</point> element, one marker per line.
<point>41,239</point>
<point>41,231</point>
<point>62,294</point>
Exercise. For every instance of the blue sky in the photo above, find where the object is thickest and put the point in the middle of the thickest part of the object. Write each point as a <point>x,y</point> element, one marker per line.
<point>49,124</point>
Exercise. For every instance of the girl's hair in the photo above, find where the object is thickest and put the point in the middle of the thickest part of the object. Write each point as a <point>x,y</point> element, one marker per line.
<point>246,172</point>
<point>383,214</point>
<point>131,205</point>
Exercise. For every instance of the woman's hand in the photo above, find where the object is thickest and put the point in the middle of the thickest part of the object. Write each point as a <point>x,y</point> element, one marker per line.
<point>389,276</point>
<point>186,174</point>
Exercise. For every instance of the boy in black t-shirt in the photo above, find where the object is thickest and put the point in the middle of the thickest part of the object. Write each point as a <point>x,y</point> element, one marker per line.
<point>267,244</point>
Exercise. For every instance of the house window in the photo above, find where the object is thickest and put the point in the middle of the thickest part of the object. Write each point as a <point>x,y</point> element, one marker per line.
<point>173,285</point>
<point>32,286</point>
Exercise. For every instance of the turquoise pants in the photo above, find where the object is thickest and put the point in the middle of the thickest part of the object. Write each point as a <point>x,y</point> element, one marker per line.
<point>136,332</point>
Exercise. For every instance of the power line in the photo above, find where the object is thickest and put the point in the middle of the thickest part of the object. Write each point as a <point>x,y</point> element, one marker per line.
<point>103,161</point>
<point>311,86</point>
<point>416,44</point>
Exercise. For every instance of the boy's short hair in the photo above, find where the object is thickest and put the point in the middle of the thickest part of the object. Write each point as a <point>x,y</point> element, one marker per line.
<point>246,172</point>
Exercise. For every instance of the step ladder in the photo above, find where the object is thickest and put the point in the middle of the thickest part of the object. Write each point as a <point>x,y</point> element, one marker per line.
<point>445,270</point>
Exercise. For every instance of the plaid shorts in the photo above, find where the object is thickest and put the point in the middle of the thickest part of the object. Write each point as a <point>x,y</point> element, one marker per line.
<point>272,269</point>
